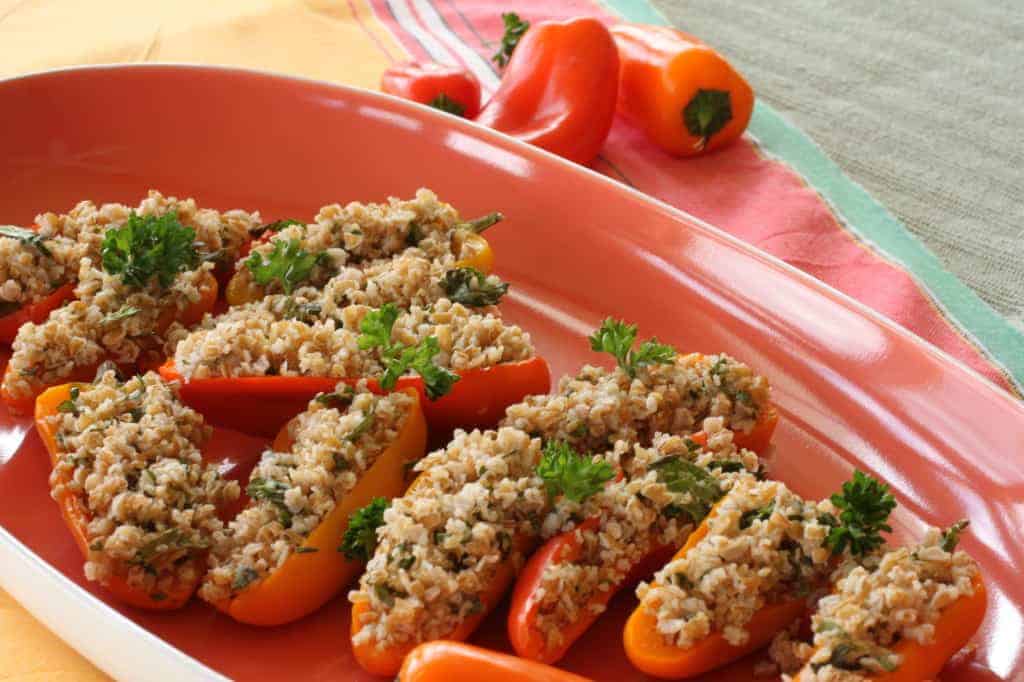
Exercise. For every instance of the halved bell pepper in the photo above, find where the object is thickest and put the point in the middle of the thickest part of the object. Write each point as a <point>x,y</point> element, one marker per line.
<point>35,312</point>
<point>444,661</point>
<point>261,405</point>
<point>191,315</point>
<point>77,517</point>
<point>523,631</point>
<point>309,578</point>
<point>956,625</point>
<point>241,290</point>
<point>647,649</point>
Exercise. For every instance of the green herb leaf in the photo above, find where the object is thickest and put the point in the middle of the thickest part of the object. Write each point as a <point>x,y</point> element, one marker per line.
<point>70,405</point>
<point>616,338</point>
<point>149,246</point>
<point>707,113</point>
<point>695,482</point>
<point>273,492</point>
<point>303,312</point>
<point>360,540</point>
<point>27,237</point>
<point>170,540</point>
<point>514,30</point>
<point>275,226</point>
<point>470,287</point>
<point>125,312</point>
<point>865,505</point>
<point>568,473</point>
<point>375,328</point>
<point>447,104</point>
<point>364,424</point>
<point>306,550</point>
<point>951,538</point>
<point>288,263</point>
<point>338,399</point>
<point>244,576</point>
<point>762,514</point>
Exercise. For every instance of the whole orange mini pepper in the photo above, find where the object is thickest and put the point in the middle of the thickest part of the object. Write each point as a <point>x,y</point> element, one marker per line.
<point>188,316</point>
<point>448,88</point>
<point>77,517</point>
<point>683,94</point>
<point>444,661</point>
<point>647,649</point>
<point>309,578</point>
<point>558,90</point>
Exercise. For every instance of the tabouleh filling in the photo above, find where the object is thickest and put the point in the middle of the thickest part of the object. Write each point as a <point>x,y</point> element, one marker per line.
<point>251,341</point>
<point>598,407</point>
<point>130,452</point>
<point>897,597</point>
<point>119,315</point>
<point>31,267</point>
<point>340,237</point>
<point>476,504</point>
<point>334,442</point>
<point>764,544</point>
<point>665,491</point>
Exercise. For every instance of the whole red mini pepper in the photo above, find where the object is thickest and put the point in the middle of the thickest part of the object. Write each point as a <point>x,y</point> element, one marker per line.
<point>448,88</point>
<point>559,89</point>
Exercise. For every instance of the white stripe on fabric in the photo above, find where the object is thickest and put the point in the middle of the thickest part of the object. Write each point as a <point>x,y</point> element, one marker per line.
<point>404,17</point>
<point>474,62</point>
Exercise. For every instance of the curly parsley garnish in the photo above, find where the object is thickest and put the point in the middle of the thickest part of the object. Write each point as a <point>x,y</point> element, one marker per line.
<point>699,488</point>
<point>470,287</point>
<point>288,263</point>
<point>447,104</point>
<point>568,473</point>
<point>515,27</point>
<point>149,246</point>
<point>360,540</point>
<point>616,337</point>
<point>27,237</point>
<point>398,358</point>
<point>865,505</point>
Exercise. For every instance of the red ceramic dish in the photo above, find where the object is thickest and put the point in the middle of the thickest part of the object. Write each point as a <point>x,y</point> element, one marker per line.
<point>853,390</point>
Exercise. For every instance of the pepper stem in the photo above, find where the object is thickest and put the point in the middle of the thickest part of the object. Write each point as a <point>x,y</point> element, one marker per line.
<point>480,224</point>
<point>706,114</point>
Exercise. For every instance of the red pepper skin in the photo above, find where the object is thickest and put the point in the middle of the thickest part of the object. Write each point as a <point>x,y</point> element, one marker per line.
<point>262,405</point>
<point>424,82</point>
<point>559,89</point>
<point>36,312</point>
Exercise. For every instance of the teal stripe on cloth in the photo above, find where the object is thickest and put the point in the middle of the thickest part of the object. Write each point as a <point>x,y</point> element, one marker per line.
<point>1001,342</point>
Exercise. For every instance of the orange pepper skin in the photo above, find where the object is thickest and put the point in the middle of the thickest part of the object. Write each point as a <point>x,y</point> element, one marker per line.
<point>77,517</point>
<point>956,625</point>
<point>444,661</point>
<point>36,312</point>
<point>648,651</point>
<point>307,580</point>
<point>189,316</point>
<point>262,405</point>
<point>424,82</point>
<point>558,90</point>
<point>662,71</point>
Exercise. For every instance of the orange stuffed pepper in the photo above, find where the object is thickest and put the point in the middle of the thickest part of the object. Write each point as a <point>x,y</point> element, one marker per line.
<point>350,449</point>
<point>127,463</point>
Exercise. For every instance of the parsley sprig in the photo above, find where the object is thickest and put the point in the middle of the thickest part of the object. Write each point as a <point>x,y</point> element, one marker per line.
<point>360,539</point>
<point>566,472</point>
<point>470,287</point>
<point>616,337</point>
<point>149,246</point>
<point>288,263</point>
<point>27,237</point>
<point>398,358</point>
<point>515,27</point>
<point>865,504</point>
